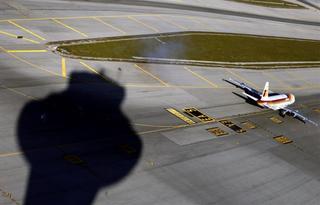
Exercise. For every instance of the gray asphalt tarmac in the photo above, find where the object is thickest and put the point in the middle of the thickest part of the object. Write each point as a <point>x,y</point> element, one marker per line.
<point>155,4</point>
<point>86,132</point>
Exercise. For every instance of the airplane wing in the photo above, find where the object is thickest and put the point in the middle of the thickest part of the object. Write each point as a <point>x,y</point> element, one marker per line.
<point>249,96</point>
<point>243,86</point>
<point>297,115</point>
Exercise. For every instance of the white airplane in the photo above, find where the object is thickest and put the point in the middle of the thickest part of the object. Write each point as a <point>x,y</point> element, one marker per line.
<point>271,100</point>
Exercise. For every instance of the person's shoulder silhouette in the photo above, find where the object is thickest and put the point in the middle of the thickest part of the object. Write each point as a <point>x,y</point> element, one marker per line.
<point>77,141</point>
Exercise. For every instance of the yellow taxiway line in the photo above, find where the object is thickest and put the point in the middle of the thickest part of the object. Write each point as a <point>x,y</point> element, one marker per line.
<point>109,25</point>
<point>172,23</point>
<point>26,30</point>
<point>10,154</point>
<point>201,77</point>
<point>156,126</point>
<point>63,68</point>
<point>89,68</point>
<point>144,24</point>
<point>74,17</point>
<point>69,27</point>
<point>16,37</point>
<point>18,92</point>
<point>151,75</point>
<point>194,19</point>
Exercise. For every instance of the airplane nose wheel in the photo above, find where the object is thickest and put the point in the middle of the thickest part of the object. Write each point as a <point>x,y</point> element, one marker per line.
<point>282,113</point>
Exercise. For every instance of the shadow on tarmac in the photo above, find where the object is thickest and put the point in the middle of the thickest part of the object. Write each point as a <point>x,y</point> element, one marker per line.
<point>247,100</point>
<point>77,141</point>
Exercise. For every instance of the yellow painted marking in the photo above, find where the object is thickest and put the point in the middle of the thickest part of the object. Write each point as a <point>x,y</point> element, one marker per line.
<point>316,110</point>
<point>26,30</point>
<point>75,17</point>
<point>69,27</point>
<point>217,131</point>
<point>194,19</point>
<point>172,128</point>
<point>8,34</point>
<point>198,114</point>
<point>243,79</point>
<point>150,163</point>
<point>191,86</point>
<point>180,116</point>
<point>27,51</point>
<point>18,92</point>
<point>89,67</point>
<point>109,25</point>
<point>157,126</point>
<point>10,154</point>
<point>249,125</point>
<point>153,76</point>
<point>159,130</point>
<point>63,67</point>
<point>172,86</point>
<point>172,23</point>
<point>15,36</point>
<point>201,77</point>
<point>9,196</point>
<point>144,85</point>
<point>29,63</point>
<point>232,126</point>
<point>282,139</point>
<point>276,120</point>
<point>144,24</point>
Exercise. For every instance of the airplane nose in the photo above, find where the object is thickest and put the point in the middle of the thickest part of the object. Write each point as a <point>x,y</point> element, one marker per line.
<point>292,98</point>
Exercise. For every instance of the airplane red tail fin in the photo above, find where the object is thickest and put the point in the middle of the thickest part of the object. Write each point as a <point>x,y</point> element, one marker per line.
<point>265,92</point>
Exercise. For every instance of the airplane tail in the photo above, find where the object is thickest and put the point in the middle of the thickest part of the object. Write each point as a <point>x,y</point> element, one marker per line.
<point>265,93</point>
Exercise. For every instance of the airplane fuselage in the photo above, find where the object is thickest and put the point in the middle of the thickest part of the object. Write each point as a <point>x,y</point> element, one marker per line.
<point>277,102</point>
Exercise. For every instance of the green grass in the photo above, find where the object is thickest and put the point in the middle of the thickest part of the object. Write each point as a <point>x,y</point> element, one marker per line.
<point>272,3</point>
<point>221,47</point>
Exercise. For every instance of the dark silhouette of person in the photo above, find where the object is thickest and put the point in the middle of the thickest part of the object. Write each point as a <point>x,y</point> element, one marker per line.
<point>77,141</point>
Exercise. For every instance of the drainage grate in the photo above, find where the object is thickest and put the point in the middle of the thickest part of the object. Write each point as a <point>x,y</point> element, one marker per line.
<point>217,131</point>
<point>232,126</point>
<point>198,114</point>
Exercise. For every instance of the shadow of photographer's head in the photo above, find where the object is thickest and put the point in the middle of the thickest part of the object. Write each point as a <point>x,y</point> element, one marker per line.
<point>77,140</point>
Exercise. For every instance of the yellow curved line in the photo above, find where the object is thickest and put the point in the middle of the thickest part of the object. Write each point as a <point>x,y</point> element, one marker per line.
<point>163,126</point>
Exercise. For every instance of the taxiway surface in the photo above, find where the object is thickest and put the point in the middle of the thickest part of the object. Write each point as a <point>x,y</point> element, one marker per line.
<point>71,136</point>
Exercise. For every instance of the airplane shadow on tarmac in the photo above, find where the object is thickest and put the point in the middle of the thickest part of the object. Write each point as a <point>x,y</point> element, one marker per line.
<point>77,141</point>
